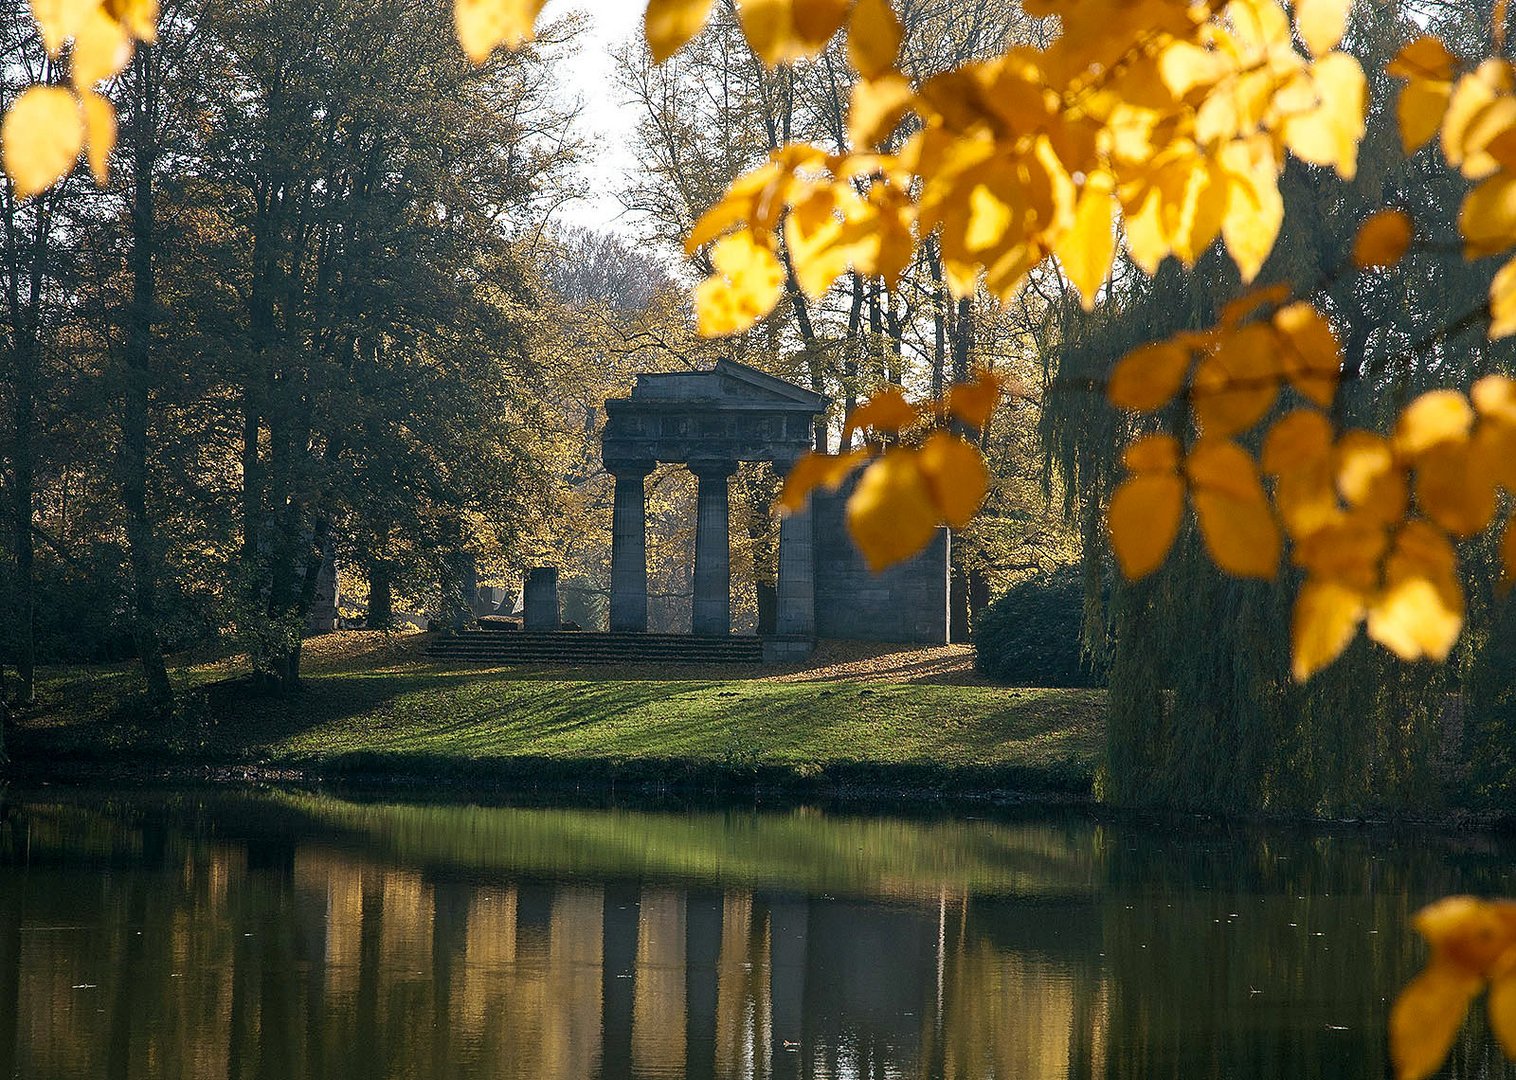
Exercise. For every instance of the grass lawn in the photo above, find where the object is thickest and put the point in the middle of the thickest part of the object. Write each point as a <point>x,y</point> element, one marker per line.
<point>376,707</point>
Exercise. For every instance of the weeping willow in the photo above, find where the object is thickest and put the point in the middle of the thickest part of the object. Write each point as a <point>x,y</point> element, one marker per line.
<point>1204,714</point>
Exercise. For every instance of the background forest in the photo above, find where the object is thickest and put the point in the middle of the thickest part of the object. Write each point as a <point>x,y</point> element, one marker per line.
<point>329,304</point>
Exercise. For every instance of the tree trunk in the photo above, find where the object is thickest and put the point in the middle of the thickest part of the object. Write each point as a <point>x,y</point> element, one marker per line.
<point>139,330</point>
<point>959,616</point>
<point>850,351</point>
<point>381,597</point>
<point>963,339</point>
<point>23,466</point>
<point>939,319</point>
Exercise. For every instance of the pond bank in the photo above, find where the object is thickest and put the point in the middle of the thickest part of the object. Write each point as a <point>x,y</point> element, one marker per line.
<point>856,723</point>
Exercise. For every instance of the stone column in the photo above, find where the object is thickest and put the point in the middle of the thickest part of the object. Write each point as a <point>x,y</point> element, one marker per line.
<point>629,549</point>
<point>796,617</point>
<point>713,552</point>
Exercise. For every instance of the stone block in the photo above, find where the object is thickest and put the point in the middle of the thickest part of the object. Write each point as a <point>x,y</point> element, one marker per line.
<point>541,609</point>
<point>907,603</point>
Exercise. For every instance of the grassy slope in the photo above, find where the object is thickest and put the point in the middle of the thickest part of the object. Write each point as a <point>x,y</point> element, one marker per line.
<point>371,709</point>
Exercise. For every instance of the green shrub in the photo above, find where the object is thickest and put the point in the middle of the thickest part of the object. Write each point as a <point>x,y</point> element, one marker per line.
<point>1034,634</point>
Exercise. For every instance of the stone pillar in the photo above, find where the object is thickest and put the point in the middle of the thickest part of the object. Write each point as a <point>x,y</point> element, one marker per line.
<point>324,615</point>
<point>629,549</point>
<point>713,552</point>
<point>797,577</point>
<point>540,608</point>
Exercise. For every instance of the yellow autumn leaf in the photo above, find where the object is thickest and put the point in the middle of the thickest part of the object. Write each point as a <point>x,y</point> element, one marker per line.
<point>1426,1018</point>
<point>827,471</point>
<point>1312,354</point>
<point>99,134</point>
<point>485,25</point>
<point>1183,66</point>
<point>975,402</point>
<point>1296,439</point>
<point>783,30</point>
<point>1471,96</point>
<point>139,17</point>
<point>814,237</point>
<point>1326,619</point>
<point>1455,488</point>
<point>1369,478</point>
<point>886,413</point>
<point>1147,378</point>
<point>59,20</point>
<point>1237,384</point>
<point>1144,519</point>
<point>874,35</point>
<point>878,106</point>
<point>1493,446</point>
<point>1503,302</point>
<point>1235,519</point>
<point>1435,417</point>
<point>1237,311</point>
<point>101,49</point>
<point>1475,935</point>
<point>1420,110</point>
<point>1298,453</point>
<point>1087,250</point>
<point>1329,134</point>
<point>1487,219</point>
<point>1255,209</point>
<point>1494,398</point>
<point>1348,551</point>
<point>1502,1010</point>
<point>41,137</point>
<point>1321,23</point>
<point>1419,612</point>
<point>957,476</point>
<point>745,287</point>
<point>1383,240</point>
<point>766,186</point>
<point>1152,453</point>
<point>1424,58</point>
<point>891,515</point>
<point>670,24</point>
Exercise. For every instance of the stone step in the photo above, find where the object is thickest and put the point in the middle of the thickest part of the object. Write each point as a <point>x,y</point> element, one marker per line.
<point>592,648</point>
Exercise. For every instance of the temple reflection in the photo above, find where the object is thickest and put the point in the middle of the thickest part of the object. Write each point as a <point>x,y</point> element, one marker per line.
<point>167,944</point>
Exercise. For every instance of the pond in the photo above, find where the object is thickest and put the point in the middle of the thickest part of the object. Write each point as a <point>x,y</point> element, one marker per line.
<point>289,935</point>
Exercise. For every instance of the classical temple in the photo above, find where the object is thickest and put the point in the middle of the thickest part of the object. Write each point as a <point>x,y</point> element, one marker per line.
<point>711,421</point>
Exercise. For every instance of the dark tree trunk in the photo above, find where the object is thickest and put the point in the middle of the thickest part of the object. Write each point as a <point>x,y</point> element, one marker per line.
<point>23,468</point>
<point>963,339</point>
<point>939,319</point>
<point>381,595</point>
<point>959,619</point>
<point>140,534</point>
<point>26,322</point>
<point>850,350</point>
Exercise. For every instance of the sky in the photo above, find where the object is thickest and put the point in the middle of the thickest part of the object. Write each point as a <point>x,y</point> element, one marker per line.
<point>589,74</point>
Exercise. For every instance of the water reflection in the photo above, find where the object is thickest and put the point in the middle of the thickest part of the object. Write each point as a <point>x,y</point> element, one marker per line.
<point>293,936</point>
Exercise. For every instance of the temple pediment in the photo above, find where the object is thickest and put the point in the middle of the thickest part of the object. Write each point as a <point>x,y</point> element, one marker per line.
<point>732,412</point>
<point>729,385</point>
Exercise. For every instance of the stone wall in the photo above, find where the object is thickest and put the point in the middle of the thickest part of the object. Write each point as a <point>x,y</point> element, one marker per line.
<point>907,603</point>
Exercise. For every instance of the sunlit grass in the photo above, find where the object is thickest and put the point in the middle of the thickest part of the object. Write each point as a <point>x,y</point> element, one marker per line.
<point>390,710</point>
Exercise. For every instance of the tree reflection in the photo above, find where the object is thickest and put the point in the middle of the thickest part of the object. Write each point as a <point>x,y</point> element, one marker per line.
<point>277,937</point>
